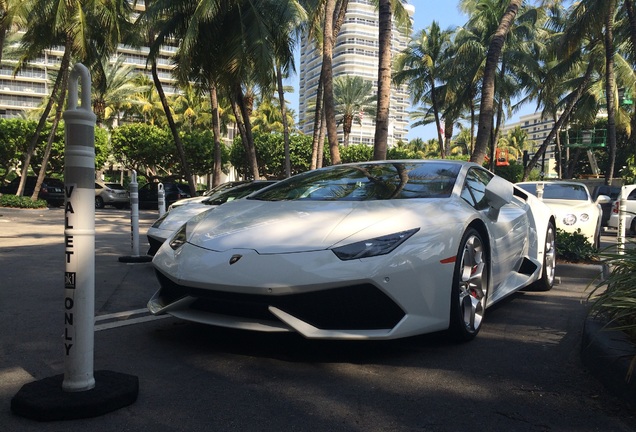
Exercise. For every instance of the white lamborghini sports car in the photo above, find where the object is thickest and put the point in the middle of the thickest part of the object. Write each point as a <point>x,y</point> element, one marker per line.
<point>374,250</point>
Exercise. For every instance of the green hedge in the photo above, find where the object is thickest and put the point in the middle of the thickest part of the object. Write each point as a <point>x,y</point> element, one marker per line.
<point>21,202</point>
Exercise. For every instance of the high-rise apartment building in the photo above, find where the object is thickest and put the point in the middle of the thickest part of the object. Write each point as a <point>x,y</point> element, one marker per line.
<point>31,86</point>
<point>355,53</point>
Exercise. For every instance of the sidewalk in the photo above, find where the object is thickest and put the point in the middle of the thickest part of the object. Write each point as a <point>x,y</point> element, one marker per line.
<point>608,354</point>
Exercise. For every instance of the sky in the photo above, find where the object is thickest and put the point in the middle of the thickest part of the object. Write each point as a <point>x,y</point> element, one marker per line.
<point>447,14</point>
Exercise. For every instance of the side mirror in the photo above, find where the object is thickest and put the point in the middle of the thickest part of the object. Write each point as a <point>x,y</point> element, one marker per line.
<point>603,199</point>
<point>499,192</point>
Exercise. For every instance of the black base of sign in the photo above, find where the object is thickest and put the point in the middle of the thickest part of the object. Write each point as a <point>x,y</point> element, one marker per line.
<point>45,400</point>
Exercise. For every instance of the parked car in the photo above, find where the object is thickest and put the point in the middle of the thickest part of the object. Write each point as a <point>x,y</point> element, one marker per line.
<point>206,194</point>
<point>373,250</point>
<point>611,191</point>
<point>573,206</point>
<point>149,193</point>
<point>112,194</point>
<point>630,220</point>
<point>52,190</point>
<point>171,221</point>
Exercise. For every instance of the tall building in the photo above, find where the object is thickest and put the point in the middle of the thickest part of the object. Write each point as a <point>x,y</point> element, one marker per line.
<point>32,85</point>
<point>355,53</point>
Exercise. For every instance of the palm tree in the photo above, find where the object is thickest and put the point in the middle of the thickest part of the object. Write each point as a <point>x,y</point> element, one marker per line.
<point>87,35</point>
<point>115,90</point>
<point>12,15</point>
<point>327,80</point>
<point>419,66</point>
<point>386,9</point>
<point>145,104</point>
<point>268,117</point>
<point>384,80</point>
<point>317,15</point>
<point>353,97</point>
<point>190,107</point>
<point>486,111</point>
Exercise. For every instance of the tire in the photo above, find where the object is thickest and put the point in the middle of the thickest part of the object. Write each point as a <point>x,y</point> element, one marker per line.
<point>632,227</point>
<point>99,202</point>
<point>549,261</point>
<point>470,288</point>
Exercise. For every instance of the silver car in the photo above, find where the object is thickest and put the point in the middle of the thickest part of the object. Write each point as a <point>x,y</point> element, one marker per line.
<point>112,194</point>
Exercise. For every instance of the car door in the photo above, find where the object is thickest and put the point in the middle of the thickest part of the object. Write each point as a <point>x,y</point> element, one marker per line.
<point>508,233</point>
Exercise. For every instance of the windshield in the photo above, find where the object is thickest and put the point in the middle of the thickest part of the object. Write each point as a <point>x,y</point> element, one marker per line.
<point>564,191</point>
<point>362,182</point>
<point>225,195</point>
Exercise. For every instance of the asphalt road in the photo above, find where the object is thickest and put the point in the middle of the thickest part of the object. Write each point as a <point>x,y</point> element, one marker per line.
<point>522,373</point>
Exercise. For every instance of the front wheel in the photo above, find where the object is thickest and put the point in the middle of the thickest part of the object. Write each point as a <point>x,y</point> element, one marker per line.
<point>549,261</point>
<point>99,202</point>
<point>470,288</point>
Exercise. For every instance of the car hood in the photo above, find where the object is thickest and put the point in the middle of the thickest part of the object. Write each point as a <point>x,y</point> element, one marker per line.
<point>299,226</point>
<point>570,206</point>
<point>180,215</point>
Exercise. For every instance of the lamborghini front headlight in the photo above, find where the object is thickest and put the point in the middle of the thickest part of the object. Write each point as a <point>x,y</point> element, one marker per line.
<point>373,247</point>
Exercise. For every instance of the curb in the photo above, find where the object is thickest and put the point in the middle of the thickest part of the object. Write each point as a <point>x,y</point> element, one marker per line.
<point>609,354</point>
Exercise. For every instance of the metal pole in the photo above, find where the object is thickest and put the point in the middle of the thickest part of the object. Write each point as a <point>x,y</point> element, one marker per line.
<point>134,214</point>
<point>79,236</point>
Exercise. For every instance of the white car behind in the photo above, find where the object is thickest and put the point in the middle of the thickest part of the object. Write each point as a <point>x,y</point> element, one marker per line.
<point>572,205</point>
<point>630,221</point>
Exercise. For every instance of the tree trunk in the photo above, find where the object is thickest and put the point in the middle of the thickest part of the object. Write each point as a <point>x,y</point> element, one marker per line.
<point>283,112</point>
<point>241,127</point>
<point>216,131</point>
<point>381,138</point>
<point>64,65</point>
<point>486,111</point>
<point>564,117</point>
<point>610,86</point>
<point>329,108</point>
<point>49,142</point>
<point>438,122</point>
<point>173,127</point>
<point>244,106</point>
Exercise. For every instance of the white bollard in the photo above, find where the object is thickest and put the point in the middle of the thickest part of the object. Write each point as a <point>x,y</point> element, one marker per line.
<point>622,218</point>
<point>134,214</point>
<point>79,236</point>
<point>161,199</point>
<point>42,400</point>
<point>134,225</point>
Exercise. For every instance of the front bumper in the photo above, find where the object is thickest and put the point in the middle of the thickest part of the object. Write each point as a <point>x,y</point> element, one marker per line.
<point>312,293</point>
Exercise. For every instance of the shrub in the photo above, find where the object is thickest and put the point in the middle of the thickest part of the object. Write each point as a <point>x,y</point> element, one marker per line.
<point>614,297</point>
<point>574,247</point>
<point>21,202</point>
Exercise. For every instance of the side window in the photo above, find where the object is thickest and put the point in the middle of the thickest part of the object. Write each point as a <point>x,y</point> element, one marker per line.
<point>474,189</point>
<point>632,195</point>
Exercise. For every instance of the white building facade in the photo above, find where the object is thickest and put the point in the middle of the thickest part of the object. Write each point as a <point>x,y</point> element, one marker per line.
<point>355,53</point>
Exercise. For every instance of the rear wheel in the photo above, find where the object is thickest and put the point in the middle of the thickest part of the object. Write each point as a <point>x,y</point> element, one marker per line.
<point>549,261</point>
<point>470,288</point>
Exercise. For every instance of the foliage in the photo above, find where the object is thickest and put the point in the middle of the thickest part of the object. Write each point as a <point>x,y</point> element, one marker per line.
<point>615,296</point>
<point>513,172</point>
<point>14,136</point>
<point>629,171</point>
<point>270,153</point>
<point>199,148</point>
<point>139,145</point>
<point>21,202</point>
<point>574,247</point>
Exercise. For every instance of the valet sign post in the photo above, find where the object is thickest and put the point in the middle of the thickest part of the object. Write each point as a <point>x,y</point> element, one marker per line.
<point>79,392</point>
<point>79,236</point>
